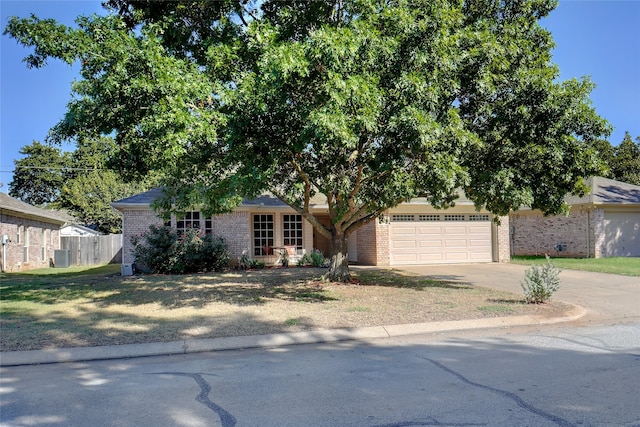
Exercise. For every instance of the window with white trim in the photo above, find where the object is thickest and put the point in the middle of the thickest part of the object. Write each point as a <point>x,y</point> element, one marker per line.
<point>479,217</point>
<point>403,217</point>
<point>191,219</point>
<point>429,217</point>
<point>454,217</point>
<point>262,234</point>
<point>292,231</point>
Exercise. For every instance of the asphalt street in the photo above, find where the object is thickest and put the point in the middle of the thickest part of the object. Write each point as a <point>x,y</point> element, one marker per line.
<point>555,376</point>
<point>580,373</point>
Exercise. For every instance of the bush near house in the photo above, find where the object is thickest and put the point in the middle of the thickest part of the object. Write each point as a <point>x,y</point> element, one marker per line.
<point>162,250</point>
<point>315,259</point>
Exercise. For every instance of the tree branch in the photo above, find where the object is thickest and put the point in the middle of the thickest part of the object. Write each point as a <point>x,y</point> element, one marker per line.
<point>305,214</point>
<point>307,183</point>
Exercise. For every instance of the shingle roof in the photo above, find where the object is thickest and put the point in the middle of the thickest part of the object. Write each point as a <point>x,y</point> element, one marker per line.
<point>22,209</point>
<point>269,200</point>
<point>145,198</point>
<point>605,191</point>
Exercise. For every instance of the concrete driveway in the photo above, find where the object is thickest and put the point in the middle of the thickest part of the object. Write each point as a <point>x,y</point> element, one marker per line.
<point>605,296</point>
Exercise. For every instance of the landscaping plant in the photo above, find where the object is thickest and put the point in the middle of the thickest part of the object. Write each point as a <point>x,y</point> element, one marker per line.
<point>161,250</point>
<point>540,282</point>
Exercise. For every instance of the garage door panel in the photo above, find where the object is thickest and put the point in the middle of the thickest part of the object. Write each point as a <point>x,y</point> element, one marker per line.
<point>431,258</point>
<point>456,256</point>
<point>406,258</point>
<point>440,242</point>
<point>479,229</point>
<point>431,250</point>
<point>403,244</point>
<point>405,231</point>
<point>427,245</point>
<point>455,244</point>
<point>455,229</point>
<point>478,243</point>
<point>478,257</point>
<point>430,229</point>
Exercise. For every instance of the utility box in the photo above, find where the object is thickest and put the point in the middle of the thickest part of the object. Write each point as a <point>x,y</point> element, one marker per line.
<point>127,269</point>
<point>61,258</point>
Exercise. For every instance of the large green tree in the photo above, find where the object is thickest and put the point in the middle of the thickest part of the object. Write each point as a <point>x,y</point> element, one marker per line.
<point>80,182</point>
<point>625,165</point>
<point>369,102</point>
<point>93,185</point>
<point>88,197</point>
<point>40,174</point>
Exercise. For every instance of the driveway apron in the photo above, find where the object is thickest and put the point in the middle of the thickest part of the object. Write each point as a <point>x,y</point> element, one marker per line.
<point>605,296</point>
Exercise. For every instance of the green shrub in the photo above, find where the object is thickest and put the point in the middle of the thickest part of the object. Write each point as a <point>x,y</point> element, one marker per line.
<point>161,250</point>
<point>304,260</point>
<point>315,259</point>
<point>540,282</point>
<point>153,251</point>
<point>256,264</point>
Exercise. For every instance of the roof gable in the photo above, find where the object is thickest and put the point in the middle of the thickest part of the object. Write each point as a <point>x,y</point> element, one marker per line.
<point>605,191</point>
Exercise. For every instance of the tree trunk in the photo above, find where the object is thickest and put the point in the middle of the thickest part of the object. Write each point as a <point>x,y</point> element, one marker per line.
<point>339,266</point>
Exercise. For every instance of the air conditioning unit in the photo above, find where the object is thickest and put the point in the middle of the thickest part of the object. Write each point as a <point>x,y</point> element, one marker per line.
<point>127,269</point>
<point>61,258</point>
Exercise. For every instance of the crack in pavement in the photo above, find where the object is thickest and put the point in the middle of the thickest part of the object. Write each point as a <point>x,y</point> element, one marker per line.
<point>603,345</point>
<point>512,396</point>
<point>226,418</point>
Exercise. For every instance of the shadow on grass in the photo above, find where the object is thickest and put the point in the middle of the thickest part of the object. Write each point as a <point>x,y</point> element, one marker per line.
<point>241,288</point>
<point>171,291</point>
<point>396,279</point>
<point>58,330</point>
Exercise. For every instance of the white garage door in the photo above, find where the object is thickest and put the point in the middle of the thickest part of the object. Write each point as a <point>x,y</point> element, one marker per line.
<point>622,234</point>
<point>439,238</point>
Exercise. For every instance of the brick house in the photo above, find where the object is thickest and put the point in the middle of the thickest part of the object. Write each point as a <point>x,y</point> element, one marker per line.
<point>32,235</point>
<point>604,223</point>
<point>412,233</point>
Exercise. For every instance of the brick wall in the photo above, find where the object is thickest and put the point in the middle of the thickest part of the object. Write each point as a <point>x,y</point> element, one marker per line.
<point>234,228</point>
<point>503,240</point>
<point>534,234</point>
<point>135,223</point>
<point>373,243</point>
<point>10,225</point>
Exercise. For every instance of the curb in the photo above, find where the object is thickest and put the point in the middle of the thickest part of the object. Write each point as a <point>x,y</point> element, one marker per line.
<point>126,351</point>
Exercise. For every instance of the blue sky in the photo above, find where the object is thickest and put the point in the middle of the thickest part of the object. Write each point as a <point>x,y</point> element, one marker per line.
<point>600,39</point>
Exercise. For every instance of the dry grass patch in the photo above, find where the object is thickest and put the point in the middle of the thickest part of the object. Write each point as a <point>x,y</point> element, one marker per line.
<point>103,308</point>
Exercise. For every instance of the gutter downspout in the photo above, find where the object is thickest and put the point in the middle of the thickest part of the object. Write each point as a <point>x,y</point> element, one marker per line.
<point>588,233</point>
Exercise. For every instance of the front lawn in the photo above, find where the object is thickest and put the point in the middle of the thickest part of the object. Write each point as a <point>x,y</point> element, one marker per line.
<point>97,306</point>
<point>627,266</point>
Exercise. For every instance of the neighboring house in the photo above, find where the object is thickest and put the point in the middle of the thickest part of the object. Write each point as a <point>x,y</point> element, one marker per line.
<point>78,230</point>
<point>412,233</point>
<point>604,223</point>
<point>32,235</point>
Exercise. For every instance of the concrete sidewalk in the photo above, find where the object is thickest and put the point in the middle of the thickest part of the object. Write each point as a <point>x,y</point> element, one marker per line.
<point>79,354</point>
